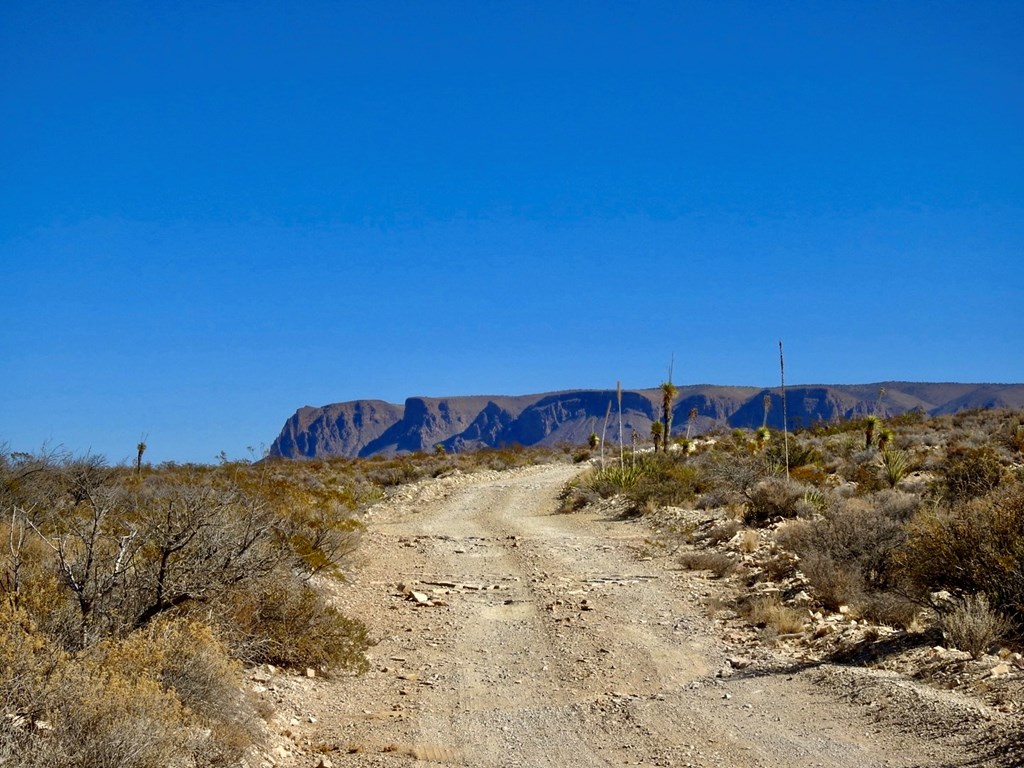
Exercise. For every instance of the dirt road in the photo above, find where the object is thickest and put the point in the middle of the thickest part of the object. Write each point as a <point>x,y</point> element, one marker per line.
<point>512,636</point>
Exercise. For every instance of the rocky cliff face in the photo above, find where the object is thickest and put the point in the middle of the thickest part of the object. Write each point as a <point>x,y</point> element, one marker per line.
<point>372,427</point>
<point>340,429</point>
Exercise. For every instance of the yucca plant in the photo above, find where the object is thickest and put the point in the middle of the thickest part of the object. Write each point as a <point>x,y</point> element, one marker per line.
<point>870,425</point>
<point>895,464</point>
<point>761,437</point>
<point>657,429</point>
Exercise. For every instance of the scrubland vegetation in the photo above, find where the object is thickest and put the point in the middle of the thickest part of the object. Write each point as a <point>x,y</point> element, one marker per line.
<point>905,522</point>
<point>131,599</point>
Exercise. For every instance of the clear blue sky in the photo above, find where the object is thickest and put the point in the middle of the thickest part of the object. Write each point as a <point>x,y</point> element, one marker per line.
<point>213,213</point>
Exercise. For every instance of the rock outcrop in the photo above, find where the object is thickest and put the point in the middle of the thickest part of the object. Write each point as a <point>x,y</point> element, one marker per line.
<point>374,427</point>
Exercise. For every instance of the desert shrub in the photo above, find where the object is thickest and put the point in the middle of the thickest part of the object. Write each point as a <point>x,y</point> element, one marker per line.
<point>896,505</point>
<point>1015,437</point>
<point>665,480</point>
<point>801,453</point>
<point>395,472</point>
<point>809,474</point>
<point>891,608</point>
<point>862,468</point>
<point>192,663</point>
<point>781,566</point>
<point>291,624</point>
<point>970,472</point>
<point>111,584</point>
<point>773,497</point>
<point>913,417</point>
<point>101,717</point>
<point>27,662</point>
<point>719,563</point>
<point>577,494</point>
<point>974,547</point>
<point>65,711</point>
<point>728,475</point>
<point>848,553</point>
<point>834,583</point>
<point>972,625</point>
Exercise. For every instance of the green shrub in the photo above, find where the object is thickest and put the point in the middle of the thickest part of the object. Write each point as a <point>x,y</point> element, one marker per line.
<point>971,472</point>
<point>659,480</point>
<point>974,547</point>
<point>801,454</point>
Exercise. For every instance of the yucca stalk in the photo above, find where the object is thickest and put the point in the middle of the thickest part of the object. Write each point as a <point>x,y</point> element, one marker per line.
<point>618,395</point>
<point>141,448</point>
<point>668,394</point>
<point>782,382</point>
<point>604,430</point>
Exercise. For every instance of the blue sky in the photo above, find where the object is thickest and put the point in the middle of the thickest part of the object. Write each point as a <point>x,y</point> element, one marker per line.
<point>214,213</point>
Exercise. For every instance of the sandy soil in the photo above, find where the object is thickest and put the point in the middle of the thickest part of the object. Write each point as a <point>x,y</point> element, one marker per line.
<point>513,636</point>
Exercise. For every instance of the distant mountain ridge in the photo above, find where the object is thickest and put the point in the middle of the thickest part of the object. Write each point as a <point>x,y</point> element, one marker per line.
<point>374,427</point>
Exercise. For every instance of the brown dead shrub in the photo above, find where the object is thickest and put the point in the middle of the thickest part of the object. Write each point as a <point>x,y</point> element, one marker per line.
<point>773,497</point>
<point>291,624</point>
<point>719,563</point>
<point>972,625</point>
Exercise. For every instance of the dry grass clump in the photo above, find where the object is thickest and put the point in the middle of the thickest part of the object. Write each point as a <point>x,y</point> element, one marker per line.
<point>749,542</point>
<point>767,611</point>
<point>972,625</point>
<point>170,696</point>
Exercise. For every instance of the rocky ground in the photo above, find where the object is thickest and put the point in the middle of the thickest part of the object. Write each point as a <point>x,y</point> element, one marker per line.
<point>509,635</point>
